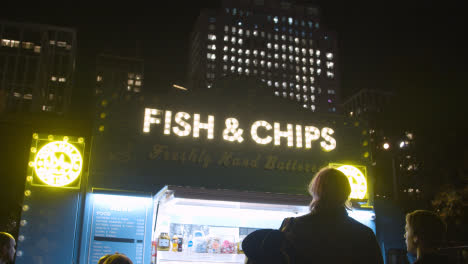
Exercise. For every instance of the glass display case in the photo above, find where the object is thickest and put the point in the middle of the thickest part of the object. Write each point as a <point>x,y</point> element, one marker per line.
<point>208,226</point>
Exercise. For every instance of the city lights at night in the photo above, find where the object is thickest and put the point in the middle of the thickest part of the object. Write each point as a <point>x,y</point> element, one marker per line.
<point>172,132</point>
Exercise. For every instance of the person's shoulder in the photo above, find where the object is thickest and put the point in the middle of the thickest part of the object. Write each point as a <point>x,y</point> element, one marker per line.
<point>358,226</point>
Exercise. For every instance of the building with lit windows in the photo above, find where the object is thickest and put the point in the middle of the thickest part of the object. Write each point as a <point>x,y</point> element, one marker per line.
<point>393,150</point>
<point>280,43</point>
<point>37,65</point>
<point>118,76</point>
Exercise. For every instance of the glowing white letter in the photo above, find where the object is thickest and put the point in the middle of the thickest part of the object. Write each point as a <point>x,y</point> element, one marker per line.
<point>288,134</point>
<point>149,112</point>
<point>208,126</point>
<point>254,129</point>
<point>187,128</point>
<point>326,131</point>
<point>311,134</point>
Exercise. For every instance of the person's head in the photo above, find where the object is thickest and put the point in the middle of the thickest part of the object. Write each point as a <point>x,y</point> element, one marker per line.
<point>118,259</point>
<point>103,259</point>
<point>7,247</point>
<point>266,246</point>
<point>423,230</point>
<point>329,188</point>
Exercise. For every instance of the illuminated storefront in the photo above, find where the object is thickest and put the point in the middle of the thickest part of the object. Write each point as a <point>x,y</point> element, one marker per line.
<point>207,169</point>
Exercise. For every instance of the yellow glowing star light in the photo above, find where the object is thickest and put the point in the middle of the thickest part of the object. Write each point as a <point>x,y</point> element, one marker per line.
<point>58,163</point>
<point>356,180</point>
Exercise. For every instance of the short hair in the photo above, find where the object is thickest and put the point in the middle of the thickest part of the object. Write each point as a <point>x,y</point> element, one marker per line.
<point>428,227</point>
<point>118,259</point>
<point>103,259</point>
<point>329,188</point>
<point>5,239</point>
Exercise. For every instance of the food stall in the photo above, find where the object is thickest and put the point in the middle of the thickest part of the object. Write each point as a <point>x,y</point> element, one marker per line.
<point>184,177</point>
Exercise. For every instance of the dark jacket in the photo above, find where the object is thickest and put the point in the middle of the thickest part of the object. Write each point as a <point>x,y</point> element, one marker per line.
<point>434,258</point>
<point>331,237</point>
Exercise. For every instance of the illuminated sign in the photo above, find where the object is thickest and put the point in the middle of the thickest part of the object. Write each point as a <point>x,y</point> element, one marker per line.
<point>55,161</point>
<point>58,163</point>
<point>356,178</point>
<point>260,131</point>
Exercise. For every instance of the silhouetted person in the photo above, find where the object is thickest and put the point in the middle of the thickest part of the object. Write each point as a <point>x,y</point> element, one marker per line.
<point>266,246</point>
<point>118,259</point>
<point>327,234</point>
<point>7,248</point>
<point>424,235</point>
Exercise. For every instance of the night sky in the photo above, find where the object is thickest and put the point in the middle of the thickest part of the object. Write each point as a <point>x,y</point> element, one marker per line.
<point>414,48</point>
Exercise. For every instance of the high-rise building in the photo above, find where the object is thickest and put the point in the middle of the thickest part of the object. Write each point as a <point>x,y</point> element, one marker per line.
<point>37,64</point>
<point>393,149</point>
<point>119,76</point>
<point>281,43</point>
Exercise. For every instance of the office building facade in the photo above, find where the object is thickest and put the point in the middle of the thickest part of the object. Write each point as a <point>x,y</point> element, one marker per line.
<point>37,65</point>
<point>282,44</point>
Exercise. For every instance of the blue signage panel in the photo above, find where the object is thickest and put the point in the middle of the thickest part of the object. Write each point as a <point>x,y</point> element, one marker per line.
<point>118,225</point>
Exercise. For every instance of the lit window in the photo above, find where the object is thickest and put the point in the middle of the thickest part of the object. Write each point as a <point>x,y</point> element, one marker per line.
<point>276,65</point>
<point>226,28</point>
<point>138,83</point>
<point>317,53</point>
<point>285,94</point>
<point>255,52</point>
<point>276,46</point>
<point>329,55</point>
<point>255,62</point>
<point>283,65</point>
<point>304,79</point>
<point>276,37</point>
<point>262,53</point>
<point>330,74</point>
<point>225,49</point>
<point>62,79</point>
<point>247,72</point>
<point>233,40</point>
<point>99,78</point>
<point>283,37</point>
<point>276,56</point>
<point>239,70</point>
<point>291,95</point>
<point>240,32</point>
<point>297,59</point>
<point>304,69</point>
<point>304,105</point>
<point>291,49</point>
<point>276,93</point>
<point>255,33</point>
<point>304,97</point>
<point>247,52</point>
<point>304,88</point>
<point>283,47</point>
<point>269,45</point>
<point>298,87</point>
<point>285,85</point>
<point>239,51</point>
<point>291,58</point>
<point>233,68</point>
<point>225,57</point>
<point>262,63</point>
<point>283,56</point>
<point>226,38</point>
<point>312,98</point>
<point>329,65</point>
<point>269,65</point>
<point>240,41</point>
<point>37,49</point>
<point>296,50</point>
<point>312,79</point>
<point>53,78</point>
<point>247,32</point>
<point>276,84</point>
<point>233,59</point>
<point>296,40</point>
<point>298,97</point>
<point>233,50</point>
<point>269,83</point>
<point>247,61</point>
<point>290,21</point>
<point>319,62</point>
<point>239,61</point>
<point>211,37</point>
<point>275,19</point>
<point>311,52</point>
<point>312,107</point>
<point>298,78</point>
<point>319,71</point>
<point>304,61</point>
<point>311,61</point>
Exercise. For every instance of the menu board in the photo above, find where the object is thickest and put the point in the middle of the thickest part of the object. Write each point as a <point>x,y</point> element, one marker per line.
<point>118,225</point>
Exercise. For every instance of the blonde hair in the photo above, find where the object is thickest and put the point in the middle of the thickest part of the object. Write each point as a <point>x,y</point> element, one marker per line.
<point>329,188</point>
